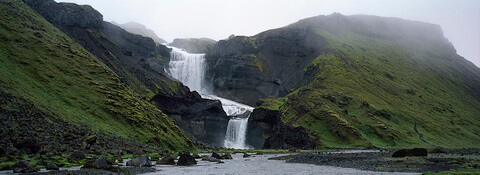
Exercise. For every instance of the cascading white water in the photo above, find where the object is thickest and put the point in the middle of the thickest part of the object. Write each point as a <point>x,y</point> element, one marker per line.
<point>190,70</point>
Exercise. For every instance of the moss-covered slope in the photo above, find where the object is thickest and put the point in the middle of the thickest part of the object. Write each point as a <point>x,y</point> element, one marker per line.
<point>368,81</point>
<point>43,66</point>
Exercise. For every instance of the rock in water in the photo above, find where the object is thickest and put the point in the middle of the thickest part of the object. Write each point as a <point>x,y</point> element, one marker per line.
<point>167,160</point>
<point>186,159</point>
<point>140,162</point>
<point>227,156</point>
<point>245,155</point>
<point>216,155</point>
<point>411,152</point>
<point>24,167</point>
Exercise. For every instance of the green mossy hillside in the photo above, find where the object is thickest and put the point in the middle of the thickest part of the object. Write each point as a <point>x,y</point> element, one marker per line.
<point>384,88</point>
<point>41,64</point>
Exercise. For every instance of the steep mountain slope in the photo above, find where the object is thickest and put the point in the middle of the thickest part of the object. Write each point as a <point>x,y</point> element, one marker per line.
<point>140,29</point>
<point>139,61</point>
<point>353,81</point>
<point>47,75</point>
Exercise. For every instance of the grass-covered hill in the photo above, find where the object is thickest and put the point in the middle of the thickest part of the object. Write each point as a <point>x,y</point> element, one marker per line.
<point>51,86</point>
<point>355,81</point>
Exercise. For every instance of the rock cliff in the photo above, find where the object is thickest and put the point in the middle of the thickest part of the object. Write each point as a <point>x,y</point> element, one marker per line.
<point>193,45</point>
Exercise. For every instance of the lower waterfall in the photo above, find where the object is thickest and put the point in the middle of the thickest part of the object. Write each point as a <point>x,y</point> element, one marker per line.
<point>189,69</point>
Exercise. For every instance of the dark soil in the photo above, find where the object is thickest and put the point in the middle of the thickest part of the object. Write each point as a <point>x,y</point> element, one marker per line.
<point>458,159</point>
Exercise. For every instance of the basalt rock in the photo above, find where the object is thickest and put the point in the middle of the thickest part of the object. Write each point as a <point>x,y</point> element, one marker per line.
<point>167,160</point>
<point>186,159</point>
<point>140,162</point>
<point>263,66</point>
<point>262,122</point>
<point>203,119</point>
<point>410,152</point>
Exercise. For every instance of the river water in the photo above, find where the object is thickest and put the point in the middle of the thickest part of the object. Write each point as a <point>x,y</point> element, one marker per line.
<point>259,164</point>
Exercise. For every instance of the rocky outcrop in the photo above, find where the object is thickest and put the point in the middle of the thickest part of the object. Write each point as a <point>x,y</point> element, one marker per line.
<point>142,161</point>
<point>186,159</point>
<point>263,66</point>
<point>203,119</point>
<point>193,45</point>
<point>262,122</point>
<point>67,14</point>
<point>24,167</point>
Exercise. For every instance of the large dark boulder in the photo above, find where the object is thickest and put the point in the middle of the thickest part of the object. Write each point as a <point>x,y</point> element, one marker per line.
<point>410,152</point>
<point>212,159</point>
<point>24,167</point>
<point>186,159</point>
<point>142,161</point>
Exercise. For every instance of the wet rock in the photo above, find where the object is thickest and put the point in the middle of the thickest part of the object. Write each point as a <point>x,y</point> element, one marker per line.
<point>216,155</point>
<point>410,152</point>
<point>168,160</point>
<point>245,155</point>
<point>186,159</point>
<point>227,156</point>
<point>143,161</point>
<point>24,167</point>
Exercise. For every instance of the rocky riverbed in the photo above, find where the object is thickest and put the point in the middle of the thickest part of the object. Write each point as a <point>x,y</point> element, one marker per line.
<point>437,160</point>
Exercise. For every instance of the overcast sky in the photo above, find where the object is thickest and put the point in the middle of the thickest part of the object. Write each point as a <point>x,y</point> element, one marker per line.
<point>217,19</point>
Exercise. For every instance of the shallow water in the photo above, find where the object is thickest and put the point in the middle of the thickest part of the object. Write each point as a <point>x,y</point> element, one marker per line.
<point>259,165</point>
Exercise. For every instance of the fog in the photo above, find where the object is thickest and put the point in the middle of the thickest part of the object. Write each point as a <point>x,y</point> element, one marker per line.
<point>217,19</point>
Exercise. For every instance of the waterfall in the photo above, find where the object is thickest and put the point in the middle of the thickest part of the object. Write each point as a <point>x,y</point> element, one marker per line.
<point>189,69</point>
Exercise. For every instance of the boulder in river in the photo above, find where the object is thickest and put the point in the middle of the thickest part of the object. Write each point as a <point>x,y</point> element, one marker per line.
<point>48,165</point>
<point>143,161</point>
<point>186,159</point>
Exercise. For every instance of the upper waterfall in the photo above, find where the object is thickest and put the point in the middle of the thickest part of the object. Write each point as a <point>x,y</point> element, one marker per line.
<point>189,69</point>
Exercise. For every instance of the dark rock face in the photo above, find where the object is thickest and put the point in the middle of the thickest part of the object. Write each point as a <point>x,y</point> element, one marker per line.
<point>193,45</point>
<point>186,159</point>
<point>77,155</point>
<point>143,161</point>
<point>266,65</point>
<point>212,159</point>
<point>24,167</point>
<point>204,120</point>
<point>262,122</point>
<point>410,152</point>
<point>268,122</point>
